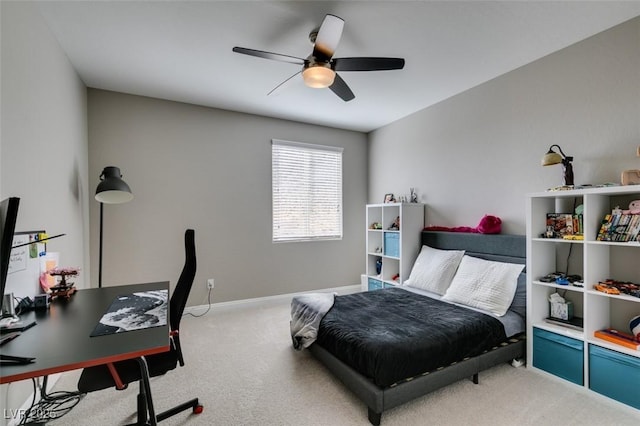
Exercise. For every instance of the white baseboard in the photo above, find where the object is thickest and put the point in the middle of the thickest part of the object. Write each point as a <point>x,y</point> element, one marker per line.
<point>233,304</point>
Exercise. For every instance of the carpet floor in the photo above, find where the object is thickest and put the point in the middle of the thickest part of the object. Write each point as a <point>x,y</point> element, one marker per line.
<point>240,363</point>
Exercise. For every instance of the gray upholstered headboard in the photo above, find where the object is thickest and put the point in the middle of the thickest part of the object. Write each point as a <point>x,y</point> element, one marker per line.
<point>498,247</point>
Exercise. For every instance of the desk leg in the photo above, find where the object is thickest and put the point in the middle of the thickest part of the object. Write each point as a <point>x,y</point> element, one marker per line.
<point>145,401</point>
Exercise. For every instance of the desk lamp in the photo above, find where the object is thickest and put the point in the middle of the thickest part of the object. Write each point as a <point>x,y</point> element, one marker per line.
<point>552,157</point>
<point>111,190</point>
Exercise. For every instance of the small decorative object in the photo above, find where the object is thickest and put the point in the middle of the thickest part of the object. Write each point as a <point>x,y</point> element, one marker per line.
<point>631,177</point>
<point>378,266</point>
<point>606,288</point>
<point>579,209</point>
<point>414,195</point>
<point>552,157</point>
<point>376,225</point>
<point>634,208</point>
<point>389,198</point>
<point>612,286</point>
<point>64,288</point>
<point>634,325</point>
<point>395,226</point>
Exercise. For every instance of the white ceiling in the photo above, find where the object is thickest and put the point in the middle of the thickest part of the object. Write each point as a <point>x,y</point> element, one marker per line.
<point>181,50</point>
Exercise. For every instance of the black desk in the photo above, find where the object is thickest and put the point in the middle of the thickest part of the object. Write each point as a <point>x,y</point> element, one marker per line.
<point>60,341</point>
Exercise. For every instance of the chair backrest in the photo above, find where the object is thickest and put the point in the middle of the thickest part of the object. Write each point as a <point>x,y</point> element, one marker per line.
<point>183,287</point>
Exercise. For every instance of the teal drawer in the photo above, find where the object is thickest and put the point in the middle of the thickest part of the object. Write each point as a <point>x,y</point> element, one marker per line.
<point>559,355</point>
<point>374,284</point>
<point>615,375</point>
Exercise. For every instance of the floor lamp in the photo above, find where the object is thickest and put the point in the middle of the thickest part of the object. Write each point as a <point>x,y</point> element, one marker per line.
<point>111,190</point>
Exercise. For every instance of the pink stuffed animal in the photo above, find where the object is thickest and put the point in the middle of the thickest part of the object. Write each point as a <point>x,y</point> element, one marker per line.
<point>488,225</point>
<point>634,208</point>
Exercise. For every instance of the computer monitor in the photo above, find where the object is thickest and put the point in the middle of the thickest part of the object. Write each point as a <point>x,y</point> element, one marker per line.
<point>8,217</point>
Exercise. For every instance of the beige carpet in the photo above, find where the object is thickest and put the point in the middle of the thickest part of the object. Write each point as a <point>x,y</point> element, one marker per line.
<point>240,363</point>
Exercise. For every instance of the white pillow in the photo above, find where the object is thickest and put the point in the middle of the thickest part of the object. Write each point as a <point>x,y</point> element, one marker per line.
<point>434,269</point>
<point>484,284</point>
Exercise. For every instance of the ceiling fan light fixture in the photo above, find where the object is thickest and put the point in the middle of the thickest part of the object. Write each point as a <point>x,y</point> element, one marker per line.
<point>319,69</point>
<point>318,77</point>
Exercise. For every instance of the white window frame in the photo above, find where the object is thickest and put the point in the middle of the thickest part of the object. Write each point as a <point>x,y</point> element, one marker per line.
<point>300,172</point>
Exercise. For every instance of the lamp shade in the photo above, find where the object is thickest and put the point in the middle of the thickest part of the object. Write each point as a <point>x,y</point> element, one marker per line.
<point>112,189</point>
<point>551,158</point>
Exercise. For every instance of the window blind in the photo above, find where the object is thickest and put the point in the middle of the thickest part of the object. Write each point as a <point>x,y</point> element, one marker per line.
<point>307,191</point>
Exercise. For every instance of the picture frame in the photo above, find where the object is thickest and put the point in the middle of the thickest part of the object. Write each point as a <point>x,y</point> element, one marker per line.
<point>389,198</point>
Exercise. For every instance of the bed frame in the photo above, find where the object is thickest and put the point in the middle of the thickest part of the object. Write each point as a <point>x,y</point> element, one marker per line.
<point>499,247</point>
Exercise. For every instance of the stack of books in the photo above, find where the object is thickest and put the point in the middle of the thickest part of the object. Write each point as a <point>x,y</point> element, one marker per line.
<point>618,337</point>
<point>620,227</point>
<point>562,225</point>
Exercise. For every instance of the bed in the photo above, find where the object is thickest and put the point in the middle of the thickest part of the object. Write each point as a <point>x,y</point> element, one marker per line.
<point>375,342</point>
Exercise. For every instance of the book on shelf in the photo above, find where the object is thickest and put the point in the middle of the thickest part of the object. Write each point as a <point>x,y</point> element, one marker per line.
<point>619,227</point>
<point>575,323</point>
<point>604,228</point>
<point>560,225</point>
<point>618,337</point>
<point>633,231</point>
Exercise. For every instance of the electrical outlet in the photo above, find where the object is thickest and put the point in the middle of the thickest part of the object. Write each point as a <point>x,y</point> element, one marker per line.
<point>210,283</point>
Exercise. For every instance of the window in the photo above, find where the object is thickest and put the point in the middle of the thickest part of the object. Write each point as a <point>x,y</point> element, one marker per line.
<point>307,191</point>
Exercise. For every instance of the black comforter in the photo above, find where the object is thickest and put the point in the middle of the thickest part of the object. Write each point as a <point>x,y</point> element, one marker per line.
<point>390,335</point>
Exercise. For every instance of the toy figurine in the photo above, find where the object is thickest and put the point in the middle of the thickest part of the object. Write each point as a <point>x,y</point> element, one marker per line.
<point>395,226</point>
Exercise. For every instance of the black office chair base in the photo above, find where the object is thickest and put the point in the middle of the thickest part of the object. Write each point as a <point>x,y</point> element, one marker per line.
<point>194,404</point>
<point>146,410</point>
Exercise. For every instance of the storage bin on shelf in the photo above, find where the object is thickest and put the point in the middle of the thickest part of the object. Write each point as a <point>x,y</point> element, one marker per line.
<point>615,375</point>
<point>374,284</point>
<point>559,355</point>
<point>392,244</point>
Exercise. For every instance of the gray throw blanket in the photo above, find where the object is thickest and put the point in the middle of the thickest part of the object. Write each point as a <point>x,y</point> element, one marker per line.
<point>307,311</point>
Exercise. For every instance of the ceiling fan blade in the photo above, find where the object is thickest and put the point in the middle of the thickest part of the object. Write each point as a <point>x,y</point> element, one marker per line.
<point>328,37</point>
<point>367,64</point>
<point>283,83</point>
<point>340,88</point>
<point>269,55</point>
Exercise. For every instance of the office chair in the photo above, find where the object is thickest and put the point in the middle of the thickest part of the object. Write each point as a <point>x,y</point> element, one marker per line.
<point>100,377</point>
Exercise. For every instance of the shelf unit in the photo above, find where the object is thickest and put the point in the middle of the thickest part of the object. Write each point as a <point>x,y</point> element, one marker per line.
<point>594,261</point>
<point>395,249</point>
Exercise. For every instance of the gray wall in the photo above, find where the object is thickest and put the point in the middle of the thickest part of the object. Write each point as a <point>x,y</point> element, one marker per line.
<point>43,147</point>
<point>479,152</point>
<point>209,169</point>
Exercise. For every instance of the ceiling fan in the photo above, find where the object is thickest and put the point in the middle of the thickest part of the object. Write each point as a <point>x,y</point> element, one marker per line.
<point>319,68</point>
